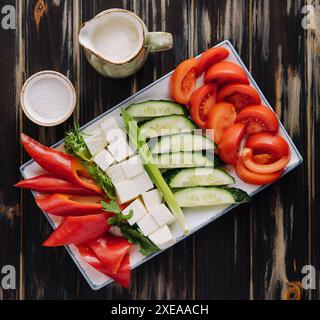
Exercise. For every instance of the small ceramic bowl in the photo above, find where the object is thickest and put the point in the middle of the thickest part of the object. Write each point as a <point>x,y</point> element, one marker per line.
<point>48,98</point>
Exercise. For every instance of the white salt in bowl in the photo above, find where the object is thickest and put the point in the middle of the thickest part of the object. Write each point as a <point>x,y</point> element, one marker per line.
<point>48,98</point>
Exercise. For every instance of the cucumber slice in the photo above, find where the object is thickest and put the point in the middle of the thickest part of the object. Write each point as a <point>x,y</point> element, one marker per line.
<point>182,178</point>
<point>155,108</point>
<point>181,142</point>
<point>209,196</point>
<point>182,160</point>
<point>162,126</point>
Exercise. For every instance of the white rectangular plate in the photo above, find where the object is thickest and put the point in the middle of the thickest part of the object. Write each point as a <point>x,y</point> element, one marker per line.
<point>196,218</point>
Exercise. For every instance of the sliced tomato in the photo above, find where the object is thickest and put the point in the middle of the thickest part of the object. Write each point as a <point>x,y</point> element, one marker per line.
<point>240,95</point>
<point>249,162</point>
<point>123,274</point>
<point>210,57</point>
<point>228,148</point>
<point>201,102</point>
<point>78,230</point>
<point>268,148</point>
<point>183,80</point>
<point>258,118</point>
<point>255,178</point>
<point>220,118</point>
<point>226,72</point>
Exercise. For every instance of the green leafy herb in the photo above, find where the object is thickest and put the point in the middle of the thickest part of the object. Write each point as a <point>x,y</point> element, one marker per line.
<point>131,233</point>
<point>134,236</point>
<point>113,207</point>
<point>102,180</point>
<point>152,169</point>
<point>74,144</point>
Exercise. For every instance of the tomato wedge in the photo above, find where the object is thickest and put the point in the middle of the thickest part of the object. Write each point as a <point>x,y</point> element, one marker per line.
<point>221,117</point>
<point>255,178</point>
<point>201,102</point>
<point>226,72</point>
<point>268,147</point>
<point>228,148</point>
<point>210,57</point>
<point>183,80</point>
<point>240,95</point>
<point>258,118</point>
<point>249,162</point>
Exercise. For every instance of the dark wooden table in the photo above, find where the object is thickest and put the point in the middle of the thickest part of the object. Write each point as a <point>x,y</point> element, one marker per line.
<point>256,251</point>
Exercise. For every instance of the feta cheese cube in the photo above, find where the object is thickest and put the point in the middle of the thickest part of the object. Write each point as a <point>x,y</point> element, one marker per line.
<point>115,173</point>
<point>125,190</point>
<point>162,238</point>
<point>162,215</point>
<point>147,225</point>
<point>132,167</point>
<point>112,130</point>
<point>104,159</point>
<point>95,142</point>
<point>121,149</point>
<point>143,182</point>
<point>138,209</point>
<point>152,199</point>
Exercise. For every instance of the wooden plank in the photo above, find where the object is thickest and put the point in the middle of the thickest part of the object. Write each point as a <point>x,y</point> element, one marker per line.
<point>9,197</point>
<point>222,248</point>
<point>279,245</point>
<point>48,36</point>
<point>311,142</point>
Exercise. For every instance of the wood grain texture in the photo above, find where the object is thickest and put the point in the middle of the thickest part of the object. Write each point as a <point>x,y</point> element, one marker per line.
<point>254,252</point>
<point>9,127</point>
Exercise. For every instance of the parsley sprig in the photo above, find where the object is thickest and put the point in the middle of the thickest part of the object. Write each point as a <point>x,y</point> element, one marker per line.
<point>131,233</point>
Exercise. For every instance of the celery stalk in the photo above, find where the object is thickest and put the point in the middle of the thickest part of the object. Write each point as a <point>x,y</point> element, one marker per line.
<point>152,169</point>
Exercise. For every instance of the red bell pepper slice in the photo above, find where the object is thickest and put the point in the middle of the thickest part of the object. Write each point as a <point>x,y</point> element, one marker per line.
<point>78,230</point>
<point>68,205</point>
<point>59,164</point>
<point>122,276</point>
<point>47,183</point>
<point>104,246</point>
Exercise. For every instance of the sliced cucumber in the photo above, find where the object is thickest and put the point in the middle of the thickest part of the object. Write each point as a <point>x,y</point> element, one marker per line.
<point>162,126</point>
<point>181,142</point>
<point>183,160</point>
<point>209,196</point>
<point>155,108</point>
<point>193,177</point>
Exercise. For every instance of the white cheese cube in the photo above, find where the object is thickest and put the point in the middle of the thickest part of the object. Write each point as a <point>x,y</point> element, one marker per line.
<point>152,199</point>
<point>162,215</point>
<point>95,142</point>
<point>132,167</point>
<point>125,191</point>
<point>112,130</point>
<point>162,238</point>
<point>143,182</point>
<point>104,159</point>
<point>147,225</point>
<point>138,209</point>
<point>121,149</point>
<point>115,173</point>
